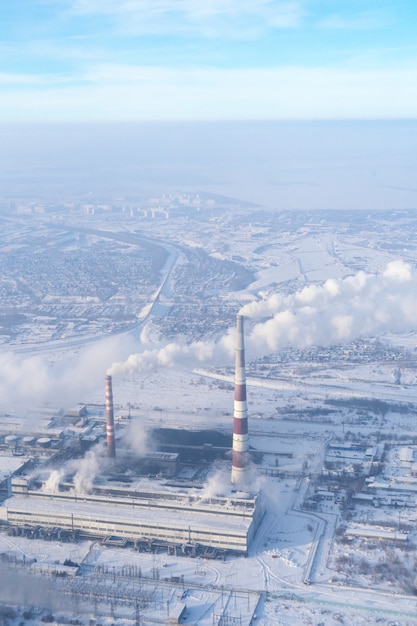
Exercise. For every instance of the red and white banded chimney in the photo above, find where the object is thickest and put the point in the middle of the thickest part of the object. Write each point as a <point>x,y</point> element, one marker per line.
<point>111,447</point>
<point>240,450</point>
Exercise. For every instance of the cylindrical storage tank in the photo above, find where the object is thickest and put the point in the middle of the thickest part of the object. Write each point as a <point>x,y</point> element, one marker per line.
<point>28,441</point>
<point>44,442</point>
<point>10,440</point>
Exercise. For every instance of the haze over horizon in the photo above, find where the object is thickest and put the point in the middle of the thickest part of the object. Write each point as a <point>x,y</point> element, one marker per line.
<point>294,165</point>
<point>238,98</point>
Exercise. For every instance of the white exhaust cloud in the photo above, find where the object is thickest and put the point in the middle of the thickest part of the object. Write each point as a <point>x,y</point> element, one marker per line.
<point>52,484</point>
<point>87,469</point>
<point>340,310</point>
<point>137,437</point>
<point>197,352</point>
<point>60,378</point>
<point>337,311</point>
<point>218,483</point>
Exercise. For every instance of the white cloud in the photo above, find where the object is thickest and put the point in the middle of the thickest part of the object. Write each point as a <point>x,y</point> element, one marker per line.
<point>363,20</point>
<point>22,79</point>
<point>123,92</point>
<point>399,271</point>
<point>208,18</point>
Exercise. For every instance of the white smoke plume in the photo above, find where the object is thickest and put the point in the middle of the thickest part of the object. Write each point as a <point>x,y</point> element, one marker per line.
<point>218,484</point>
<point>51,485</point>
<point>22,376</point>
<point>87,469</point>
<point>137,437</point>
<point>84,472</point>
<point>59,378</point>
<point>197,352</point>
<point>337,311</point>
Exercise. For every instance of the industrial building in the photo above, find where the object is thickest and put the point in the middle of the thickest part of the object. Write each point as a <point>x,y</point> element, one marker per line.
<point>152,513</point>
<point>139,515</point>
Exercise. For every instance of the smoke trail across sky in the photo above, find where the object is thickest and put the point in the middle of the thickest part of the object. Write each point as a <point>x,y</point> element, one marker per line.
<point>59,377</point>
<point>340,310</point>
<point>170,354</point>
<point>337,311</point>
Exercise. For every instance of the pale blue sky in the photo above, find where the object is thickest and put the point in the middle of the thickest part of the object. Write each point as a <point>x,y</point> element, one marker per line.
<point>134,60</point>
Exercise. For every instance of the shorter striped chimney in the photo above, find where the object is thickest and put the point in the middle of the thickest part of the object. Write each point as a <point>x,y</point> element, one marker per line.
<point>111,447</point>
<point>240,450</point>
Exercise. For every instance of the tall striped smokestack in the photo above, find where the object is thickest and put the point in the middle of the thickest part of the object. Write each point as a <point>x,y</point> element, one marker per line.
<point>111,448</point>
<point>240,450</point>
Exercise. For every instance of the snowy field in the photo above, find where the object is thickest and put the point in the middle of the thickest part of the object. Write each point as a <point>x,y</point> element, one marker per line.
<point>315,284</point>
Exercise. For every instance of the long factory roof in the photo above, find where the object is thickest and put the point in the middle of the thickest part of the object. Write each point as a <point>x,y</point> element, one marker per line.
<point>169,517</point>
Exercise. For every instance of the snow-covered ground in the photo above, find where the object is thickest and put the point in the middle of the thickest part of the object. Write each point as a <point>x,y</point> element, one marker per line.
<point>301,568</point>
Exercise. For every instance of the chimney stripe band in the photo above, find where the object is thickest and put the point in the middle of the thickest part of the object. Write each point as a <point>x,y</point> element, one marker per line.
<point>240,449</point>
